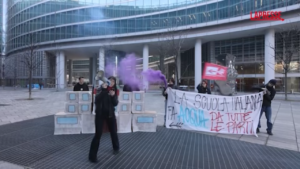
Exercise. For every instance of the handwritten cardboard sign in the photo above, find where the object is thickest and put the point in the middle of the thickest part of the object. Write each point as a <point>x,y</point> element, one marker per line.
<point>214,72</point>
<point>213,113</point>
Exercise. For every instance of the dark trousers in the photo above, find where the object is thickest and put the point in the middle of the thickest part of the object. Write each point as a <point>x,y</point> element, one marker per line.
<point>268,114</point>
<point>111,123</point>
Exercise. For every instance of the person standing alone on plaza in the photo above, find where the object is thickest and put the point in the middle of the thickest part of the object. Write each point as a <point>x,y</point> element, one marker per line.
<point>269,94</point>
<point>41,85</point>
<point>106,101</point>
<point>81,86</point>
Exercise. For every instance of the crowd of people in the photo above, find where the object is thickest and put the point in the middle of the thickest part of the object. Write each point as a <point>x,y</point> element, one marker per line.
<point>107,100</point>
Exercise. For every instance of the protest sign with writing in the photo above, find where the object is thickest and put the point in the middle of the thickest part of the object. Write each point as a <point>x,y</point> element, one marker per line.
<point>214,72</point>
<point>213,113</point>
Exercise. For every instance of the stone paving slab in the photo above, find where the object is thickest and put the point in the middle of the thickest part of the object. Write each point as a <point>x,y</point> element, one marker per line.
<point>286,115</point>
<point>6,165</point>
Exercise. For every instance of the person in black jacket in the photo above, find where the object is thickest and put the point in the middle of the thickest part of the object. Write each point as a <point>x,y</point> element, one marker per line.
<point>81,86</point>
<point>105,111</point>
<point>130,88</point>
<point>203,88</point>
<point>170,85</point>
<point>269,94</point>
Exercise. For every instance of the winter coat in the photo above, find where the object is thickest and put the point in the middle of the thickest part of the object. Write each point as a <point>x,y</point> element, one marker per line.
<point>105,104</point>
<point>203,90</point>
<point>79,86</point>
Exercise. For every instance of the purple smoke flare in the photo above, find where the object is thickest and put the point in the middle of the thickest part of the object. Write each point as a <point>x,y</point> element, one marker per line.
<point>129,75</point>
<point>109,69</point>
<point>154,76</point>
<point>127,71</point>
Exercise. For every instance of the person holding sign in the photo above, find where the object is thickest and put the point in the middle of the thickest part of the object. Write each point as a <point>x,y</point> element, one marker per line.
<point>170,85</point>
<point>202,88</point>
<point>269,94</point>
<point>106,101</point>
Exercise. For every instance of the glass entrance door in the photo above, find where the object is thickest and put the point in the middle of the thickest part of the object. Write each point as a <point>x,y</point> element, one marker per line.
<point>240,85</point>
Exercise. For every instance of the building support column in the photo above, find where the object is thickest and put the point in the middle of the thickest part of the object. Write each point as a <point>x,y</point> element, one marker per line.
<point>91,71</point>
<point>70,71</point>
<point>145,64</point>
<point>269,55</point>
<point>101,62</point>
<point>178,68</point>
<point>65,75</point>
<point>60,70</point>
<point>198,63</point>
<point>94,71</point>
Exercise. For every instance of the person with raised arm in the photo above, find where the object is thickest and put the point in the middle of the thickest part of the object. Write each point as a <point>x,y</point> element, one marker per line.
<point>105,102</point>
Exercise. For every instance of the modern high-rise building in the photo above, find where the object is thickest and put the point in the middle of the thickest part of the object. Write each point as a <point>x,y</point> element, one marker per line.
<point>73,38</point>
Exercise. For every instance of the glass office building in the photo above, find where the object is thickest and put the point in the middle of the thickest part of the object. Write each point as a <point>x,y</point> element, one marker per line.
<point>56,22</point>
<point>72,19</point>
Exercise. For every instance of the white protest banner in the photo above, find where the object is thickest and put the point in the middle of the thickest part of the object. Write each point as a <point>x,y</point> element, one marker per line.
<point>213,113</point>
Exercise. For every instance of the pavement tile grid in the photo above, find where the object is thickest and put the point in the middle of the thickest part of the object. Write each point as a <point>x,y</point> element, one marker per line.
<point>166,148</point>
<point>47,102</point>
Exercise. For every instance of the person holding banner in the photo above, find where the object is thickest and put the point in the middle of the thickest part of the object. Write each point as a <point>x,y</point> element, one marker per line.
<point>203,88</point>
<point>170,85</point>
<point>269,94</point>
<point>106,101</point>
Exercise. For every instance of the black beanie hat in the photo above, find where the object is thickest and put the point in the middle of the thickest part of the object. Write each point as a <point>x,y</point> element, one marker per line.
<point>273,82</point>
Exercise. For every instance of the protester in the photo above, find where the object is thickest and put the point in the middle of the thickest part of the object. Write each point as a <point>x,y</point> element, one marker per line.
<point>41,84</point>
<point>112,85</point>
<point>105,112</point>
<point>203,88</point>
<point>81,86</point>
<point>170,85</point>
<point>269,94</point>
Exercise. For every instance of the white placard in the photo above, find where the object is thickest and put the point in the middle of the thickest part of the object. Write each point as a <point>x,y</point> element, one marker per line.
<point>124,123</point>
<point>213,113</point>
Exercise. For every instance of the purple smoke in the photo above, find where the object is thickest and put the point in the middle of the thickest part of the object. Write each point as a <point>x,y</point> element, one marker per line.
<point>127,71</point>
<point>129,75</point>
<point>154,76</point>
<point>109,69</point>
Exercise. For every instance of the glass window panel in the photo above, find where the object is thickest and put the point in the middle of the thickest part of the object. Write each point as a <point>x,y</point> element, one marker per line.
<point>68,31</point>
<point>81,15</point>
<point>57,33</point>
<point>81,31</point>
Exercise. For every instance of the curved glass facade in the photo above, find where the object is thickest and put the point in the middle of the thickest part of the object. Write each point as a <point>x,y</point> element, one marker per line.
<point>68,19</point>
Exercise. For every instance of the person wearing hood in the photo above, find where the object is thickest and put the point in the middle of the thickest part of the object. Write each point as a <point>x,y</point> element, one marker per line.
<point>105,101</point>
<point>202,88</point>
<point>170,85</point>
<point>269,94</point>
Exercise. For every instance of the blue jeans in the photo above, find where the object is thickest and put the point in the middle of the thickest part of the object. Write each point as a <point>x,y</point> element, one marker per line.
<point>268,114</point>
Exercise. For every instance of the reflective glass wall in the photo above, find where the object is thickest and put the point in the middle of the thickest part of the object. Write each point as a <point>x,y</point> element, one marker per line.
<point>249,54</point>
<point>51,21</point>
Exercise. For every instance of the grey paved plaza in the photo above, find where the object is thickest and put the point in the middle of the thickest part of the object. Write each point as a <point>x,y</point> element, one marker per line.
<point>38,148</point>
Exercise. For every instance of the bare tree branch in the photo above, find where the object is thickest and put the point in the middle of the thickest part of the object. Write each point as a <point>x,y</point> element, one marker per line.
<point>30,59</point>
<point>171,44</point>
<point>287,50</point>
